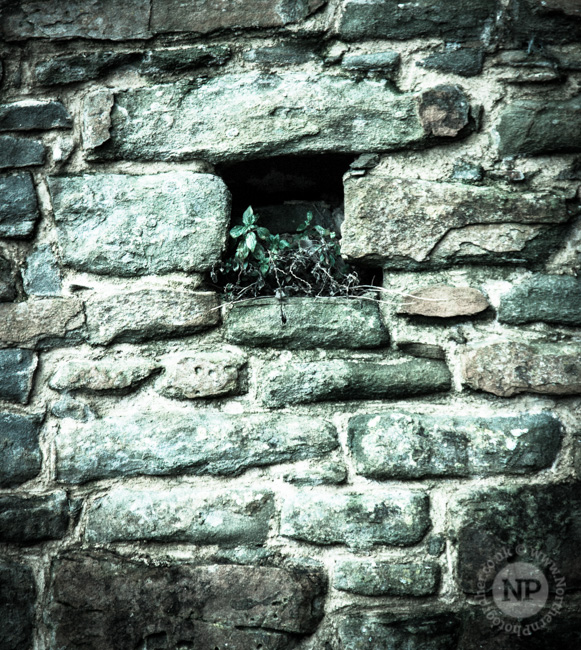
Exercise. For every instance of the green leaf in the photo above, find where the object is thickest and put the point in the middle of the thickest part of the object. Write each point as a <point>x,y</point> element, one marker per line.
<point>248,218</point>
<point>321,230</point>
<point>263,233</point>
<point>306,223</point>
<point>251,241</point>
<point>237,231</point>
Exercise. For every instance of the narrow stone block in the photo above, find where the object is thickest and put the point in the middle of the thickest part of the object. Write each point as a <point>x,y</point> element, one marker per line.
<point>32,114</point>
<point>28,520</point>
<point>466,61</point>
<point>16,372</point>
<point>41,275</point>
<point>384,578</point>
<point>20,452</point>
<point>18,206</point>
<point>387,62</point>
<point>442,301</point>
<point>17,605</point>
<point>101,375</point>
<point>19,152</point>
<point>7,280</point>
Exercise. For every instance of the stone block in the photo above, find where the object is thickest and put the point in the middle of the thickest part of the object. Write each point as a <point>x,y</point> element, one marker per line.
<point>547,21</point>
<point>17,605</point>
<point>16,372</point>
<point>7,280</point>
<point>304,382</point>
<point>385,578</point>
<point>306,323</point>
<point>101,375</point>
<point>466,61</point>
<point>70,407</point>
<point>20,152</point>
<point>444,111</point>
<point>163,442</point>
<point>32,519</point>
<point>175,60</point>
<point>289,53</point>
<point>19,206</point>
<point>226,517</point>
<point>32,115</point>
<point>359,519</point>
<point>443,301</point>
<point>387,62</point>
<point>82,66</point>
<point>20,456</point>
<point>41,274</point>
<point>412,446</point>
<point>318,472</point>
<point>141,225</point>
<point>507,368</point>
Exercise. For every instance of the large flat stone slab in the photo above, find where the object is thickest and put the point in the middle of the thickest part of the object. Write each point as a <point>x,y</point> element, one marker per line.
<point>20,456</point>
<point>19,206</point>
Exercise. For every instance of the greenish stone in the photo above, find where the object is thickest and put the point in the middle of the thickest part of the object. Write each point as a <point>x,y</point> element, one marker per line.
<point>20,152</point>
<point>16,372</point>
<point>388,62</point>
<point>163,442</point>
<point>358,519</point>
<point>411,446</point>
<point>41,274</point>
<point>20,456</point>
<point>549,298</point>
<point>383,578</point>
<point>227,517</point>
<point>31,114</point>
<point>296,382</point>
<point>19,206</point>
<point>32,519</point>
<point>17,606</point>
<point>466,62</point>
<point>319,472</point>
<point>141,225</point>
<point>306,323</point>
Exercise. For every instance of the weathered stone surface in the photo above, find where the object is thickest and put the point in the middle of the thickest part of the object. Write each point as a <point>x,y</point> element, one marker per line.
<point>16,372</point>
<point>293,52</point>
<point>506,368</point>
<point>161,442</point>
<point>359,519</point>
<point>422,350</point>
<point>411,446</point>
<point>383,578</point>
<point>101,602</point>
<point>32,114</point>
<point>7,280</point>
<point>568,7</point>
<point>82,66</point>
<point>444,111</point>
<point>547,21</point>
<point>319,472</point>
<point>101,375</point>
<point>453,19</point>
<point>19,152</point>
<point>549,298</point>
<point>443,301</point>
<point>144,314</point>
<point>175,60</point>
<point>19,206</point>
<point>69,407</point>
<point>114,20</point>
<point>533,128</point>
<point>466,61</point>
<point>41,275</point>
<point>96,117</point>
<point>32,519</point>
<point>180,514</point>
<point>544,519</point>
<point>242,116</point>
<point>39,322</point>
<point>401,222</point>
<point>194,375</point>
<point>141,225</point>
<point>296,382</point>
<point>20,452</point>
<point>17,602</point>
<point>388,62</point>
<point>307,323</point>
<point>467,171</point>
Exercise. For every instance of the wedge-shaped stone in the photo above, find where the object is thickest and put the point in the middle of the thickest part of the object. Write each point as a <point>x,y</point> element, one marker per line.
<point>20,456</point>
<point>18,205</point>
<point>141,225</point>
<point>32,114</point>
<point>166,442</point>
<point>101,375</point>
<point>32,519</point>
<point>241,116</point>
<point>385,578</point>
<point>411,446</point>
<point>181,514</point>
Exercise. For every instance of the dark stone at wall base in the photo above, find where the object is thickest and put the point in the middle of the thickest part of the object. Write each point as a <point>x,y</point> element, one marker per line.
<point>17,601</point>
<point>18,205</point>
<point>16,371</point>
<point>19,449</point>
<point>34,518</point>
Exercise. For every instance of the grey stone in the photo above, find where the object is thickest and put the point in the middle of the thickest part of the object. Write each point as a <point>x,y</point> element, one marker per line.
<point>96,117</point>
<point>69,407</point>
<point>549,298</point>
<point>190,441</point>
<point>436,545</point>
<point>19,152</point>
<point>17,605</point>
<point>242,116</point>
<point>412,446</point>
<point>32,519</point>
<point>467,171</point>
<point>546,21</point>
<point>141,225</point>
<point>296,382</point>
<point>403,223</point>
<point>41,275</point>
<point>143,314</point>
<point>32,114</point>
<point>422,350</point>
<point>180,514</point>
<point>175,60</point>
<point>466,61</point>
<point>16,372</point>
<point>20,456</point>
<point>384,578</point>
<point>114,20</point>
<point>282,54</point>
<point>319,472</point>
<point>443,301</point>
<point>19,206</point>
<point>387,62</point>
<point>101,375</point>
<point>359,519</point>
<point>7,280</point>
<point>82,66</point>
<point>307,323</point>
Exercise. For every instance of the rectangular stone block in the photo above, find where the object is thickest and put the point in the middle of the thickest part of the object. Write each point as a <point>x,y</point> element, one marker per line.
<point>17,606</point>
<point>385,578</point>
<point>16,372</point>
<point>19,152</point>
<point>308,323</point>
<point>32,519</point>
<point>412,446</point>
<point>7,279</point>
<point>359,519</point>
<point>18,205</point>
<point>180,514</point>
<point>141,225</point>
<point>32,114</point>
<point>82,66</point>
<point>162,442</point>
<point>41,275</point>
<point>19,449</point>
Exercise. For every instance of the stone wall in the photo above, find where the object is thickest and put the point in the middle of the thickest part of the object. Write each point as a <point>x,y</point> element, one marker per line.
<point>322,474</point>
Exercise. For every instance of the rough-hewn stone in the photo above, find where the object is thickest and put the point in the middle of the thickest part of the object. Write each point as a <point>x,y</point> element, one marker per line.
<point>32,519</point>
<point>303,382</point>
<point>70,407</point>
<point>141,314</point>
<point>20,152</point>
<point>181,514</point>
<point>175,60</point>
<point>306,323</point>
<point>293,52</point>
<point>19,206</point>
<point>359,519</point>
<point>16,372</point>
<point>507,368</point>
<point>7,280</point>
<point>242,116</point>
<point>141,225</point>
<point>387,62</point>
<point>161,442</point>
<point>547,21</point>
<point>20,452</point>
<point>32,114</point>
<point>384,578</point>
<point>101,602</point>
<point>318,472</point>
<point>82,66</point>
<point>466,61</point>
<point>96,117</point>
<point>41,275</point>
<point>443,301</point>
<point>549,298</point>
<point>102,374</point>
<point>17,604</point>
<point>410,446</point>
<point>444,111</point>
